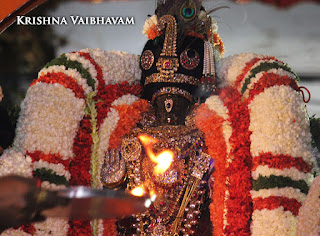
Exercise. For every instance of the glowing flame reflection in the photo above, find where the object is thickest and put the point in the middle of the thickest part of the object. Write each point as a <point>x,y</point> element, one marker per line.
<point>163,160</point>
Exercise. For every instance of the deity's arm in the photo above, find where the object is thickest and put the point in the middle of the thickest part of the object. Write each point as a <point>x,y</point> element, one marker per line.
<point>267,147</point>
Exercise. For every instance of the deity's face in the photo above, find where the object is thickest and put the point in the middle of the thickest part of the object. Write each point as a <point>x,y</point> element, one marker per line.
<point>172,109</point>
<point>190,54</point>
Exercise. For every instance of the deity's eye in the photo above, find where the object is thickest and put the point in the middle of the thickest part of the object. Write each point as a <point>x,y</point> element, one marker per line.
<point>189,59</point>
<point>147,59</point>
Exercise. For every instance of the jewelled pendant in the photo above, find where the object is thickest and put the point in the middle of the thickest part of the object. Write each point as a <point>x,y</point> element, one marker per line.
<point>168,104</point>
<point>160,230</point>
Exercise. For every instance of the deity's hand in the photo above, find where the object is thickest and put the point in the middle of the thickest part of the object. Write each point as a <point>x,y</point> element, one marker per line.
<point>113,170</point>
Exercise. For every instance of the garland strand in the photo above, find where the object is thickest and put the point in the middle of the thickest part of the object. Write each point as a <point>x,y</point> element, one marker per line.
<point>92,112</point>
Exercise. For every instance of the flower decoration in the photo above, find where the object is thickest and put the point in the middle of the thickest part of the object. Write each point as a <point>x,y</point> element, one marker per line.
<point>83,103</point>
<point>308,218</point>
<point>263,163</point>
<point>150,27</point>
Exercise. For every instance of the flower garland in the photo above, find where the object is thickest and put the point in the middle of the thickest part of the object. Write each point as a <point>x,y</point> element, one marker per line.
<point>232,174</point>
<point>249,65</point>
<point>83,65</point>
<point>150,27</point>
<point>278,133</point>
<point>110,93</point>
<point>308,218</point>
<point>56,134</point>
<point>129,117</point>
<point>73,68</point>
<point>211,124</point>
<point>86,146</point>
<point>116,66</point>
<point>239,170</point>
<point>47,120</point>
<point>14,162</point>
<point>73,73</point>
<point>270,78</point>
<point>218,44</point>
<point>97,67</point>
<point>282,161</point>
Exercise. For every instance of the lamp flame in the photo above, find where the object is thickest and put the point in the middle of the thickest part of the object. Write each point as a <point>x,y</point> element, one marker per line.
<point>138,191</point>
<point>163,159</point>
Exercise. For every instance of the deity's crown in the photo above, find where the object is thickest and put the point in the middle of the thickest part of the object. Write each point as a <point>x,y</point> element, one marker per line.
<point>180,52</point>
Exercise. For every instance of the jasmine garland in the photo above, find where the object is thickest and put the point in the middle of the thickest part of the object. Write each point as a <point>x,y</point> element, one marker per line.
<point>75,20</point>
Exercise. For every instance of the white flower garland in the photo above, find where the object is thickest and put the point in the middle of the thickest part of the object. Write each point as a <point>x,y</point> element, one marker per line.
<point>275,222</point>
<point>230,67</point>
<point>14,232</point>
<point>49,120</point>
<point>258,76</point>
<point>287,192</point>
<point>309,213</point>
<point>13,162</point>
<point>85,63</point>
<point>292,172</point>
<point>117,66</point>
<point>125,99</point>
<point>52,226</point>
<point>69,72</point>
<point>58,169</point>
<point>285,130</point>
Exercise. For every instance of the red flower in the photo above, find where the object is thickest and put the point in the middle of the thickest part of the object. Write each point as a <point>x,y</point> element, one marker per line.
<point>211,124</point>
<point>268,80</point>
<point>63,79</point>
<point>50,158</point>
<point>129,117</point>
<point>280,161</point>
<point>248,67</point>
<point>274,202</point>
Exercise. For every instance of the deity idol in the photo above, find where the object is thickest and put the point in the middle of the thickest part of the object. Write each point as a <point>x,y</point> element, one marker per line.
<point>233,133</point>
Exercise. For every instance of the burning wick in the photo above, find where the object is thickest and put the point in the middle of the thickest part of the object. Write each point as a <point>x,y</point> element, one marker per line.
<point>163,159</point>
